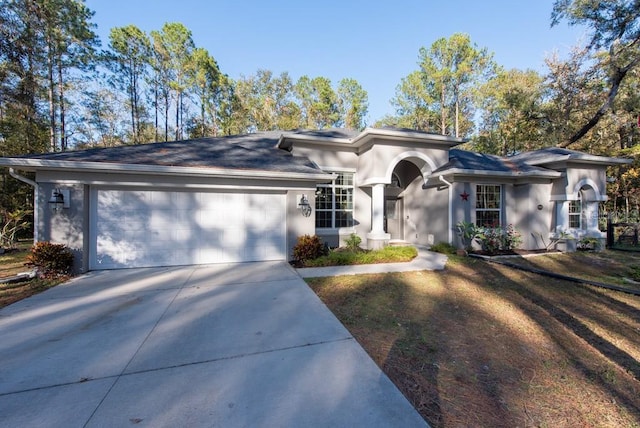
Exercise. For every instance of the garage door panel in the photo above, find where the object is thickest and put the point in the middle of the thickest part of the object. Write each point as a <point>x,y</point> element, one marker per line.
<point>158,228</point>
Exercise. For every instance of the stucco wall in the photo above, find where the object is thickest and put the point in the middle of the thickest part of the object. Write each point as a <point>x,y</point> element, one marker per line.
<point>590,176</point>
<point>297,224</point>
<point>519,208</point>
<point>531,213</point>
<point>329,158</point>
<point>376,164</point>
<point>427,212</point>
<point>68,225</point>
<point>565,188</point>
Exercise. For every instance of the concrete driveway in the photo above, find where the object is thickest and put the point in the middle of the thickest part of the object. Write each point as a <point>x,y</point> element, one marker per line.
<point>244,345</point>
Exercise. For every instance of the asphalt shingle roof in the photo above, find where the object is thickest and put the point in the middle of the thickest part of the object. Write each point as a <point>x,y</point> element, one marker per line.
<point>243,152</point>
<point>473,161</point>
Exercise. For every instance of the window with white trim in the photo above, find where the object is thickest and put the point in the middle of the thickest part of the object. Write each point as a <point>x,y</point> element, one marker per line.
<point>488,205</point>
<point>575,213</point>
<point>334,202</point>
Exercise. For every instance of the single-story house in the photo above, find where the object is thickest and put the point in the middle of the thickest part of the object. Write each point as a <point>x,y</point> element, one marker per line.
<point>249,197</point>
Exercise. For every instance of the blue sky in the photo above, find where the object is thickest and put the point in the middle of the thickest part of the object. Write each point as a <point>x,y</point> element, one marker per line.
<point>375,43</point>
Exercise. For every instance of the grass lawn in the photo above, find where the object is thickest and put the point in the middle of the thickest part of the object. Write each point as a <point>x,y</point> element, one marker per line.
<point>480,344</point>
<point>343,257</point>
<point>12,263</point>
<point>620,268</point>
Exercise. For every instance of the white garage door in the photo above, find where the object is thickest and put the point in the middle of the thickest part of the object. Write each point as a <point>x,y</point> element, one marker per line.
<point>160,228</point>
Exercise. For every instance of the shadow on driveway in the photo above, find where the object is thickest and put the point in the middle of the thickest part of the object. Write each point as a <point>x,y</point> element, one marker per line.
<point>218,345</point>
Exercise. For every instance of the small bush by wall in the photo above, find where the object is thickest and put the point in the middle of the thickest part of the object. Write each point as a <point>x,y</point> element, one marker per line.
<point>52,260</point>
<point>353,242</point>
<point>308,247</point>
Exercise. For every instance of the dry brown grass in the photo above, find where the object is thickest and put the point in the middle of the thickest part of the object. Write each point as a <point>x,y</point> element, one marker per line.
<point>12,263</point>
<point>481,344</point>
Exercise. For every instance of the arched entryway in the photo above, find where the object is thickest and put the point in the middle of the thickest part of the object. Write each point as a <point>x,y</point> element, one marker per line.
<point>392,193</point>
<point>398,224</point>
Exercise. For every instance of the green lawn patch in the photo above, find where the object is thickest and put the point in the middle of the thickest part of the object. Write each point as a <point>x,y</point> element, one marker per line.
<point>344,257</point>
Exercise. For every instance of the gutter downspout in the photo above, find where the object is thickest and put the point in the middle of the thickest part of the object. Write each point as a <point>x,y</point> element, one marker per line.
<point>450,208</point>
<point>36,194</point>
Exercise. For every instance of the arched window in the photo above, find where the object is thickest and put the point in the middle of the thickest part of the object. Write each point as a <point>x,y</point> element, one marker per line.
<point>575,212</point>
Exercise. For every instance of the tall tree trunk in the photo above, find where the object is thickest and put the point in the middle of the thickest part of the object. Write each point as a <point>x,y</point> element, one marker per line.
<point>202,109</point>
<point>155,106</point>
<point>132,101</point>
<point>63,132</point>
<point>166,116</point>
<point>443,114</point>
<point>51,95</point>
<point>457,118</point>
<point>181,115</point>
<point>177,115</point>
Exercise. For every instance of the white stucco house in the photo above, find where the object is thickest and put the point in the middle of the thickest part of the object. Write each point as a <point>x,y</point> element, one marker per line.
<point>249,197</point>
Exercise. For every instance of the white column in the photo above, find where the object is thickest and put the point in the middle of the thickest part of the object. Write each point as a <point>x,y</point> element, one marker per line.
<point>377,238</point>
<point>377,209</point>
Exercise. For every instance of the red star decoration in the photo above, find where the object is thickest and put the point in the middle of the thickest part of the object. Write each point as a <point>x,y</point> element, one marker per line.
<point>464,196</point>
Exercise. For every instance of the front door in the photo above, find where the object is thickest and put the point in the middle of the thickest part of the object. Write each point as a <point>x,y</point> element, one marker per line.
<point>394,215</point>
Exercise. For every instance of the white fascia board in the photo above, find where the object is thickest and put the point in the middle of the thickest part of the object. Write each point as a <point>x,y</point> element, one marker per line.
<point>329,141</point>
<point>181,186</point>
<point>36,164</point>
<point>370,133</point>
<point>303,137</point>
<point>474,172</point>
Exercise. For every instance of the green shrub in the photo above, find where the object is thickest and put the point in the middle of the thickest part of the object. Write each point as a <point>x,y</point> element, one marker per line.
<point>495,239</point>
<point>588,243</point>
<point>444,248</point>
<point>467,232</point>
<point>308,248</point>
<point>353,242</point>
<point>634,271</point>
<point>52,260</point>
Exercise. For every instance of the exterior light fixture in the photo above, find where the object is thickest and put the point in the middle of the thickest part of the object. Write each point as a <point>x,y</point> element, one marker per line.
<point>59,200</point>
<point>304,206</point>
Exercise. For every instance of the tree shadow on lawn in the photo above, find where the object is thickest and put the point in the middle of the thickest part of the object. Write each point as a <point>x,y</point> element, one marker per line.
<point>480,345</point>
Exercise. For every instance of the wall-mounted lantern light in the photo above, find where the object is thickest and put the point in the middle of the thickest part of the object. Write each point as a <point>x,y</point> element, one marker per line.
<point>59,199</point>
<point>304,206</point>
